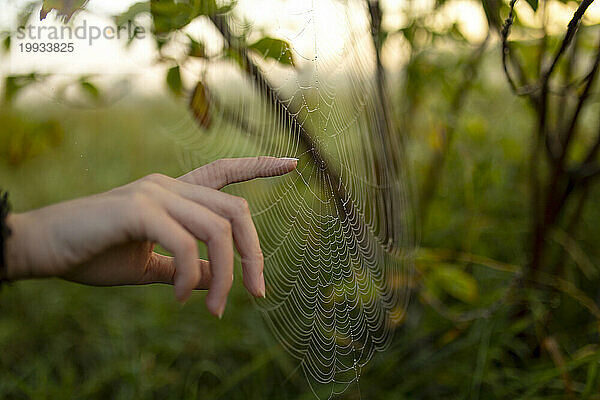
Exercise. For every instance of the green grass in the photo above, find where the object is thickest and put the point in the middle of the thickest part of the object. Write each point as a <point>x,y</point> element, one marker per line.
<point>64,341</point>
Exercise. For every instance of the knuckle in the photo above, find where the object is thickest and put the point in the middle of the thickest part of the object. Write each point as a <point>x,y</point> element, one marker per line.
<point>256,258</point>
<point>188,245</point>
<point>217,170</point>
<point>240,206</point>
<point>222,227</point>
<point>139,200</point>
<point>155,177</point>
<point>146,187</point>
<point>139,212</point>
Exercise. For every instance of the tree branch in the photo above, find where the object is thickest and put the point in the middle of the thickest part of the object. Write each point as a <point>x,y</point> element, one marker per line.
<point>291,122</point>
<point>384,153</point>
<point>508,55</point>
<point>343,201</point>
<point>571,30</point>
<point>570,131</point>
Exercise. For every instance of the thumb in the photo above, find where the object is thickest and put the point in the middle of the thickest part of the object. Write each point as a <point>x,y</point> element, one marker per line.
<point>161,269</point>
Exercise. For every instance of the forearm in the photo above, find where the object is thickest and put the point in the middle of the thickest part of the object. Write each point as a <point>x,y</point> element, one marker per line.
<point>108,239</point>
<point>15,254</point>
<point>47,242</point>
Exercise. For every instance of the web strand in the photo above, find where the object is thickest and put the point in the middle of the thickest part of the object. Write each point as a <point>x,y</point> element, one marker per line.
<point>338,233</point>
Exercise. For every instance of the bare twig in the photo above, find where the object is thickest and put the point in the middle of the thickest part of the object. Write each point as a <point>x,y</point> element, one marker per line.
<point>560,184</point>
<point>570,131</point>
<point>571,31</point>
<point>523,88</point>
<point>508,55</point>
<point>584,171</point>
<point>506,45</point>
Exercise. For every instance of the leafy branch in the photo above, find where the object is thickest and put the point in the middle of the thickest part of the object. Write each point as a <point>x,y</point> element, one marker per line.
<point>290,121</point>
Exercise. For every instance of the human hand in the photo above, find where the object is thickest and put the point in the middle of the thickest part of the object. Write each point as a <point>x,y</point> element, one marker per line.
<point>108,239</point>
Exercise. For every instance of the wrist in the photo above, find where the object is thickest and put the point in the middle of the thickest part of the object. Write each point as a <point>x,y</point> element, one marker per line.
<point>15,255</point>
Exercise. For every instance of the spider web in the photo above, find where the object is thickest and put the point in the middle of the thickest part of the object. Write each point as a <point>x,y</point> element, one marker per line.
<point>338,233</point>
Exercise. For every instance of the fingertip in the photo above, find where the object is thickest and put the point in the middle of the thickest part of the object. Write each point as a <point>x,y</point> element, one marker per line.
<point>182,294</point>
<point>185,283</point>
<point>254,286</point>
<point>287,164</point>
<point>289,161</point>
<point>215,306</point>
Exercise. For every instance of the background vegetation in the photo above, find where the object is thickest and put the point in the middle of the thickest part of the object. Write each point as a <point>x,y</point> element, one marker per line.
<point>507,284</point>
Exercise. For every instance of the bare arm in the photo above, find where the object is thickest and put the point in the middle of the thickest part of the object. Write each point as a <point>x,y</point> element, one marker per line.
<point>108,239</point>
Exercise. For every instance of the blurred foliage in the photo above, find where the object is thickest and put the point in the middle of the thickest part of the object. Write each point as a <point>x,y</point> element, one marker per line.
<point>276,49</point>
<point>476,327</point>
<point>21,138</point>
<point>174,80</point>
<point>13,84</point>
<point>200,105</point>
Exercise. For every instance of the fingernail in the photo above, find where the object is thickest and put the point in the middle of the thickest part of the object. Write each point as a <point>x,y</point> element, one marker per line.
<point>261,287</point>
<point>221,311</point>
<point>216,306</point>
<point>288,159</point>
<point>182,299</point>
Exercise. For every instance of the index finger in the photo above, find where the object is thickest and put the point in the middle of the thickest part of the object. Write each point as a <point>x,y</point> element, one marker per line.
<point>223,172</point>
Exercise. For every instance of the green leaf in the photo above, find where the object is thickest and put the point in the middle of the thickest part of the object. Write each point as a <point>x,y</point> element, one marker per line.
<point>90,89</point>
<point>26,12</point>
<point>204,7</point>
<point>132,12</point>
<point>200,105</point>
<point>196,48</point>
<point>457,34</point>
<point>409,33</point>
<point>6,43</point>
<point>276,49</point>
<point>226,8</point>
<point>592,378</point>
<point>14,83</point>
<point>169,15</point>
<point>533,3</point>
<point>455,281</point>
<point>382,37</point>
<point>174,81</point>
<point>65,8</point>
<point>27,137</point>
